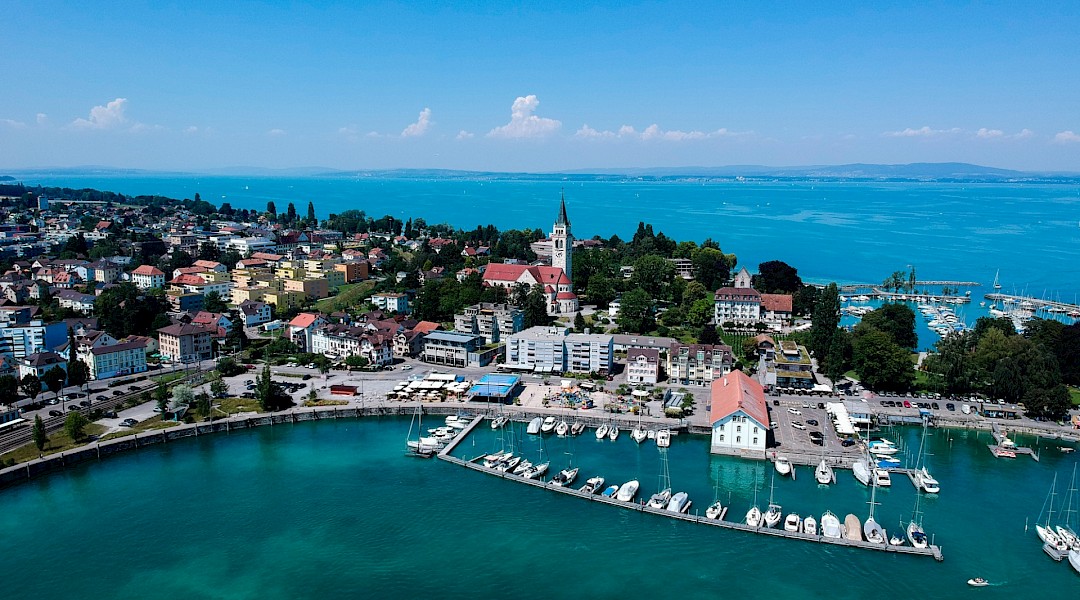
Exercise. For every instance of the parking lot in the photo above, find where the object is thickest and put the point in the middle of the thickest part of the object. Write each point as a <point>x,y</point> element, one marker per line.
<point>795,418</point>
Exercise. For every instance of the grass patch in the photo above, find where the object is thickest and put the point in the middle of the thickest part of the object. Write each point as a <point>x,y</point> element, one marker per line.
<point>349,295</point>
<point>169,377</point>
<point>59,441</point>
<point>326,403</point>
<point>1074,395</point>
<point>237,405</point>
<point>148,425</point>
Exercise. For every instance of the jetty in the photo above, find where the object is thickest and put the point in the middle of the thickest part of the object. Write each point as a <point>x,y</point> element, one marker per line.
<point>931,550</point>
<point>1035,303</point>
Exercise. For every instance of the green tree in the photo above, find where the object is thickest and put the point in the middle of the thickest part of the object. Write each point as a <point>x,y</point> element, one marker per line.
<point>270,208</point>
<point>601,289</point>
<point>882,365</point>
<point>636,312</point>
<point>750,350</point>
<point>311,215</point>
<point>213,302</point>
<point>219,388</point>
<point>269,394</point>
<point>897,320</point>
<point>826,319</point>
<point>228,367</point>
<point>536,308</point>
<point>182,395</point>
<point>653,274</point>
<point>579,323</point>
<point>701,312</point>
<point>709,335</point>
<point>30,386</point>
<point>839,357</point>
<point>40,437</point>
<point>74,425</point>
<point>711,266</point>
<point>694,291</point>
<point>357,361</point>
<point>202,404</point>
<point>9,386</point>
<point>54,379</point>
<point>78,374</point>
<point>777,277</point>
<point>290,213</point>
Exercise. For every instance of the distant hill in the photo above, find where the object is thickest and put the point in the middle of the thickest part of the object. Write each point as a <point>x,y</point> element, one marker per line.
<point>913,171</point>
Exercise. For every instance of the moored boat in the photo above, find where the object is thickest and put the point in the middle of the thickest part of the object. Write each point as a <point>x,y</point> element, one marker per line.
<point>916,535</point>
<point>660,499</point>
<point>873,531</point>
<point>830,526</point>
<point>714,511</point>
<point>577,428</point>
<point>548,425</point>
<point>628,490</point>
<point>809,525</point>
<point>562,429</point>
<point>881,477</point>
<point>925,482</point>
<point>611,491</point>
<point>509,464</point>
<point>861,472</point>
<point>593,485</point>
<point>1074,560</point>
<point>783,465</point>
<point>565,477</point>
<point>679,503</point>
<point>773,515</point>
<point>536,471</point>
<point>499,421</point>
<point>823,473</point>
<point>663,438</point>
<point>753,517</point>
<point>601,431</point>
<point>534,426</point>
<point>853,528</point>
<point>792,523</point>
<point>521,467</point>
<point>613,432</point>
<point>639,434</point>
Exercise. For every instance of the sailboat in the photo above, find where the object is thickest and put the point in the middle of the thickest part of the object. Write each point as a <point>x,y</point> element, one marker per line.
<point>601,431</point>
<point>871,529</point>
<point>660,499</point>
<point>1043,529</point>
<point>915,533</point>
<point>753,516</point>
<point>923,480</point>
<point>562,429</point>
<point>499,421</point>
<point>824,473</point>
<point>773,514</point>
<point>861,472</point>
<point>639,434</point>
<point>997,284</point>
<point>1065,530</point>
<point>613,432</point>
<point>566,476</point>
<point>421,446</point>
<point>716,509</point>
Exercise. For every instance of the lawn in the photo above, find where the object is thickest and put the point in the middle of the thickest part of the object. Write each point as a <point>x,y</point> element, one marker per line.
<point>348,295</point>
<point>1074,395</point>
<point>59,441</point>
<point>154,422</point>
<point>237,405</point>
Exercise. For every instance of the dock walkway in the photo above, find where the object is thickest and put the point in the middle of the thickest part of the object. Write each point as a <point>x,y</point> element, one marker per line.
<point>932,550</point>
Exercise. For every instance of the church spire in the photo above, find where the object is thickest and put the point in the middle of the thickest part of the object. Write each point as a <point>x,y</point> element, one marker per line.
<point>562,220</point>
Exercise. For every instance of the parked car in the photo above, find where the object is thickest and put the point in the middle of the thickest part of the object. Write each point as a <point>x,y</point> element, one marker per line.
<point>73,407</point>
<point>100,398</point>
<point>306,377</point>
<point>128,423</point>
<point>794,411</point>
<point>812,422</point>
<point>84,403</point>
<point>934,405</point>
<point>798,425</point>
<point>55,413</point>
<point>950,406</point>
<point>776,403</point>
<point>117,393</point>
<point>406,368</point>
<point>821,405</point>
<point>847,443</point>
<point>110,414</point>
<point>907,404</point>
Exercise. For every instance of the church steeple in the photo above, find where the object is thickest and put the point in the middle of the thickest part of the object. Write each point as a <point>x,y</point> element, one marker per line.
<point>562,220</point>
<point>562,241</point>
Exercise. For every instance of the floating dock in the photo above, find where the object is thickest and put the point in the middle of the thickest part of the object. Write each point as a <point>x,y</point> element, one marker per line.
<point>444,454</point>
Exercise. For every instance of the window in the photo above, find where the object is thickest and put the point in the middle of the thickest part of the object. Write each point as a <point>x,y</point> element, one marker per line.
<point>755,430</point>
<point>755,441</point>
<point>738,439</point>
<point>738,428</point>
<point>721,437</point>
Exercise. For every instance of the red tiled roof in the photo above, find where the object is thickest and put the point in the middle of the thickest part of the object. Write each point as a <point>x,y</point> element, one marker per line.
<point>776,302</point>
<point>426,327</point>
<point>147,270</point>
<point>565,296</point>
<point>734,392</point>
<point>303,320</point>
<point>187,279</point>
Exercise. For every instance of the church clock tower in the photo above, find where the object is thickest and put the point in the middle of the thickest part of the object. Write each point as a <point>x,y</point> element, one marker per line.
<point>562,242</point>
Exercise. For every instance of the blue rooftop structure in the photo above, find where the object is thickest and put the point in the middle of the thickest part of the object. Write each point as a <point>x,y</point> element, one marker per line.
<point>495,387</point>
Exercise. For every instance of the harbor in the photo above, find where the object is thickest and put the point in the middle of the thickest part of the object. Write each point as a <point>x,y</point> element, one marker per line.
<point>852,541</point>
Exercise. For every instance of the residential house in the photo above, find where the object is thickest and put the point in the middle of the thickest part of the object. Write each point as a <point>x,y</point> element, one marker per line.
<point>185,343</point>
<point>113,360</point>
<point>391,302</point>
<point>741,306</point>
<point>698,364</point>
<point>148,277</point>
<point>642,366</point>
<point>254,313</point>
<point>556,350</point>
<point>776,308</point>
<point>38,363</point>
<point>492,321</point>
<point>410,342</point>
<point>220,323</point>
<point>76,301</point>
<point>342,341</point>
<point>301,328</point>
<point>455,349</point>
<point>792,367</point>
<point>738,415</point>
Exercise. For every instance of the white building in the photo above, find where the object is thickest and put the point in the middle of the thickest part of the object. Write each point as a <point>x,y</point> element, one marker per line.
<point>148,277</point>
<point>737,305</point>
<point>642,366</point>
<point>391,302</point>
<point>556,350</point>
<point>119,358</point>
<point>343,341</point>
<point>254,313</point>
<point>739,416</point>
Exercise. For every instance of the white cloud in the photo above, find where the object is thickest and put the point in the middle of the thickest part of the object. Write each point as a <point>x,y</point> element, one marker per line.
<point>12,123</point>
<point>988,134</point>
<point>42,118</point>
<point>923,131</point>
<point>191,129</point>
<point>523,123</point>
<point>1066,137</point>
<point>465,135</point>
<point>421,125</point>
<point>1024,134</point>
<point>110,116</point>
<point>275,132</point>
<point>653,132</point>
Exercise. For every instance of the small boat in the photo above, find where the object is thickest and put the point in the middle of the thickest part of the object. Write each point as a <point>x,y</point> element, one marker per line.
<point>651,434</point>
<point>1003,452</point>
<point>753,517</point>
<point>853,528</point>
<point>1074,560</point>
<point>823,473</point>
<point>714,511</point>
<point>562,429</point>
<point>809,525</point>
<point>792,523</point>
<point>613,433</point>
<point>499,421</point>
<point>536,471</point>
<point>916,535</point>
<point>601,431</point>
<point>521,467</point>
<point>628,491</point>
<point>888,462</point>
<point>884,450</point>
<point>456,422</point>
<point>773,515</point>
<point>548,425</point>
<point>508,465</point>
<point>663,438</point>
<point>978,582</point>
<point>830,526</point>
<point>639,434</point>
<point>1053,552</point>
<point>491,460</point>
<point>783,465</point>
<point>926,482</point>
<point>895,540</point>
<point>660,499</point>
<point>534,426</point>
<point>861,472</point>
<point>882,478</point>
<point>577,428</point>
<point>679,503</point>
<point>565,477</point>
<point>873,532</point>
<point>593,485</point>
<point>610,491</point>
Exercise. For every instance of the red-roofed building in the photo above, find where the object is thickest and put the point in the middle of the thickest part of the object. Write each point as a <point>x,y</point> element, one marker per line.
<point>739,416</point>
<point>302,327</point>
<point>776,308</point>
<point>737,305</point>
<point>148,277</point>
<point>557,286</point>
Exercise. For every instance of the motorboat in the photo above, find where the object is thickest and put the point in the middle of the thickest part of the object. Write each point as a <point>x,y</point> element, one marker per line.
<point>660,499</point>
<point>548,425</point>
<point>499,421</point>
<point>679,503</point>
<point>601,431</point>
<point>424,446</point>
<point>610,491</point>
<point>882,478</point>
<point>809,525</point>
<point>509,464</point>
<point>565,477</point>
<point>965,409</point>
<point>853,528</point>
<point>792,523</point>
<point>925,482</point>
<point>888,462</point>
<point>651,434</point>
<point>714,511</point>
<point>773,515</point>
<point>753,517</point>
<point>824,473</point>
<point>783,465</point>
<point>861,472</point>
<point>916,535</point>
<point>639,434</point>
<point>1066,535</point>
<point>534,426</point>
<point>874,532</point>
<point>456,422</point>
<point>896,540</point>
<point>884,450</point>
<point>613,433</point>
<point>1074,560</point>
<point>536,471</point>
<point>628,490</point>
<point>978,582</point>
<point>562,429</point>
<point>577,428</point>
<point>593,485</point>
<point>1054,553</point>
<point>521,467</point>
<point>830,526</point>
<point>493,459</point>
<point>663,438</point>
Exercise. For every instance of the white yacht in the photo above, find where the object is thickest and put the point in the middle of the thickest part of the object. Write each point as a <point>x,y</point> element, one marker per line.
<point>916,535</point>
<point>773,515</point>
<point>536,471</point>
<point>593,485</point>
<point>714,511</point>
<point>456,422</point>
<point>792,523</point>
<point>548,425</point>
<point>521,467</point>
<point>491,460</point>
<point>753,517</point>
<point>679,503</point>
<point>875,534</point>
<point>577,428</point>
<point>601,431</point>
<point>534,426</point>
<point>1066,535</point>
<point>861,472</point>
<point>925,482</point>
<point>823,473</point>
<point>783,465</point>
<point>509,464</point>
<point>663,438</point>
<point>1074,560</point>
<point>565,477</point>
<point>830,526</point>
<point>809,525</point>
<point>613,433</point>
<point>562,429</point>
<point>639,434</point>
<point>499,421</point>
<point>660,499</point>
<point>882,478</point>
<point>628,491</point>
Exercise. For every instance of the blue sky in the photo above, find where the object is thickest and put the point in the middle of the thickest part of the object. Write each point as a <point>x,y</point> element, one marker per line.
<point>539,87</point>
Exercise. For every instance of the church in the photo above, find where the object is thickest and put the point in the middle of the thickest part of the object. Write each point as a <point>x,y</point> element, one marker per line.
<point>556,282</point>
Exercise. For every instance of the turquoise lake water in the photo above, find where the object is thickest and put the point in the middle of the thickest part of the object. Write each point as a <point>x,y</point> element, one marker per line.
<point>334,509</point>
<point>845,232</point>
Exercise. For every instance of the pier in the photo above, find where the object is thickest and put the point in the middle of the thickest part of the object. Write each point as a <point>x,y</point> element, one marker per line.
<point>932,550</point>
<point>1036,303</point>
